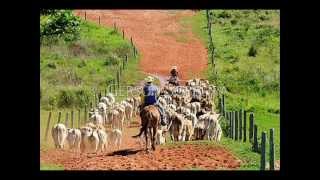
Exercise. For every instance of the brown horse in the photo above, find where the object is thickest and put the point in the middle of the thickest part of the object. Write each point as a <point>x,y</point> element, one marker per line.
<point>150,119</point>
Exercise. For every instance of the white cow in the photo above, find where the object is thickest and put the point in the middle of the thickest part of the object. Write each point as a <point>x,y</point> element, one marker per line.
<point>121,116</point>
<point>115,118</point>
<point>212,129</point>
<point>193,118</point>
<point>115,138</point>
<point>106,101</point>
<point>137,102</point>
<point>102,109</point>
<point>90,139</point>
<point>195,107</point>
<point>128,111</point>
<point>59,135</point>
<point>74,139</point>
<point>103,140</point>
<point>160,139</point>
<point>111,98</point>
<point>96,118</point>
<point>187,130</point>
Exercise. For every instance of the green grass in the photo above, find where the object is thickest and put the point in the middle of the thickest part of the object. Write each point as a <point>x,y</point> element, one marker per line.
<point>86,64</point>
<point>50,167</point>
<point>252,83</point>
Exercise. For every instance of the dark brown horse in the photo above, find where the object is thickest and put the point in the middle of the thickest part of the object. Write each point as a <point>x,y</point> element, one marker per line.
<point>150,119</point>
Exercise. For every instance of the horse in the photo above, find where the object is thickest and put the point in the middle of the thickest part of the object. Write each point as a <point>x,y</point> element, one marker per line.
<point>150,119</point>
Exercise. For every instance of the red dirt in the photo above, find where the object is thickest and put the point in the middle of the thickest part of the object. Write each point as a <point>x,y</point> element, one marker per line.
<point>132,156</point>
<point>155,32</point>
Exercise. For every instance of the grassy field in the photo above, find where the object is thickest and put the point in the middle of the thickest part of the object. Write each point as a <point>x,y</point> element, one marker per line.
<point>70,71</point>
<point>251,82</point>
<point>48,167</point>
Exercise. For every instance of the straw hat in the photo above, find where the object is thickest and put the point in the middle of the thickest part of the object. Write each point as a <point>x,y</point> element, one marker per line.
<point>149,79</point>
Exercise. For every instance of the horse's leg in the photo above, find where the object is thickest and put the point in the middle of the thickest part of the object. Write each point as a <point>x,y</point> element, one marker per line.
<point>153,137</point>
<point>146,136</point>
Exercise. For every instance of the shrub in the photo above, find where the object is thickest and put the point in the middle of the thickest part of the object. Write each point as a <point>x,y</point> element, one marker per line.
<point>233,21</point>
<point>66,98</point>
<point>224,14</point>
<point>52,65</point>
<point>52,101</point>
<point>112,60</point>
<point>252,51</point>
<point>275,111</point>
<point>61,23</point>
<point>82,64</point>
<point>82,97</point>
<point>224,126</point>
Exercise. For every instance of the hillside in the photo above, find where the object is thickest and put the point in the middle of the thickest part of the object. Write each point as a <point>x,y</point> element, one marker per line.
<point>247,55</point>
<point>70,71</point>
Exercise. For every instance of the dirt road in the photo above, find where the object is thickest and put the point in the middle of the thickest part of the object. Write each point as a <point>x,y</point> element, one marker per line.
<point>132,156</point>
<point>160,39</point>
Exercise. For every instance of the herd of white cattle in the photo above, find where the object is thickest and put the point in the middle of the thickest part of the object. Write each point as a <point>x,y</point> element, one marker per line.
<point>189,110</point>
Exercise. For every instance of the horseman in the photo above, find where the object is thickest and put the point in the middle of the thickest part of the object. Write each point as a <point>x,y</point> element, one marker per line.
<point>150,93</point>
<point>174,76</point>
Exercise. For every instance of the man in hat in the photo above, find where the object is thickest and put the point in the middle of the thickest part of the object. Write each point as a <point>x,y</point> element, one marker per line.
<point>150,98</point>
<point>174,76</point>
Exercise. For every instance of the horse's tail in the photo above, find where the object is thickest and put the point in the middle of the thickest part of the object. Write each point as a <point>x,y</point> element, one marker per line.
<point>144,125</point>
<point>142,129</point>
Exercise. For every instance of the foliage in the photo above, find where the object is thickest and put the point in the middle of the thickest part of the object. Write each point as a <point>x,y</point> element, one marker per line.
<point>70,71</point>
<point>59,23</point>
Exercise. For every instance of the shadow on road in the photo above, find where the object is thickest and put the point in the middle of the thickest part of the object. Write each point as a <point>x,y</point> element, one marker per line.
<point>125,152</point>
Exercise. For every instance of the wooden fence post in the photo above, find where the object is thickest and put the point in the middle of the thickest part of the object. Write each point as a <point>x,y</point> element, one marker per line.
<point>272,152</point>
<point>48,124</point>
<point>79,121</point>
<point>59,117</point>
<point>85,114</point>
<point>244,126</point>
<point>100,95</point>
<point>123,63</point>
<point>236,125</point>
<point>131,41</point>
<point>223,106</point>
<point>118,80</point>
<point>67,119</point>
<point>255,138</point>
<point>251,118</point>
<point>72,119</point>
<point>230,123</point>
<point>85,15</point>
<point>240,124</point>
<point>134,51</point>
<point>111,86</point>
<point>263,151</point>
<point>122,34</point>
<point>99,20</point>
<point>233,124</point>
